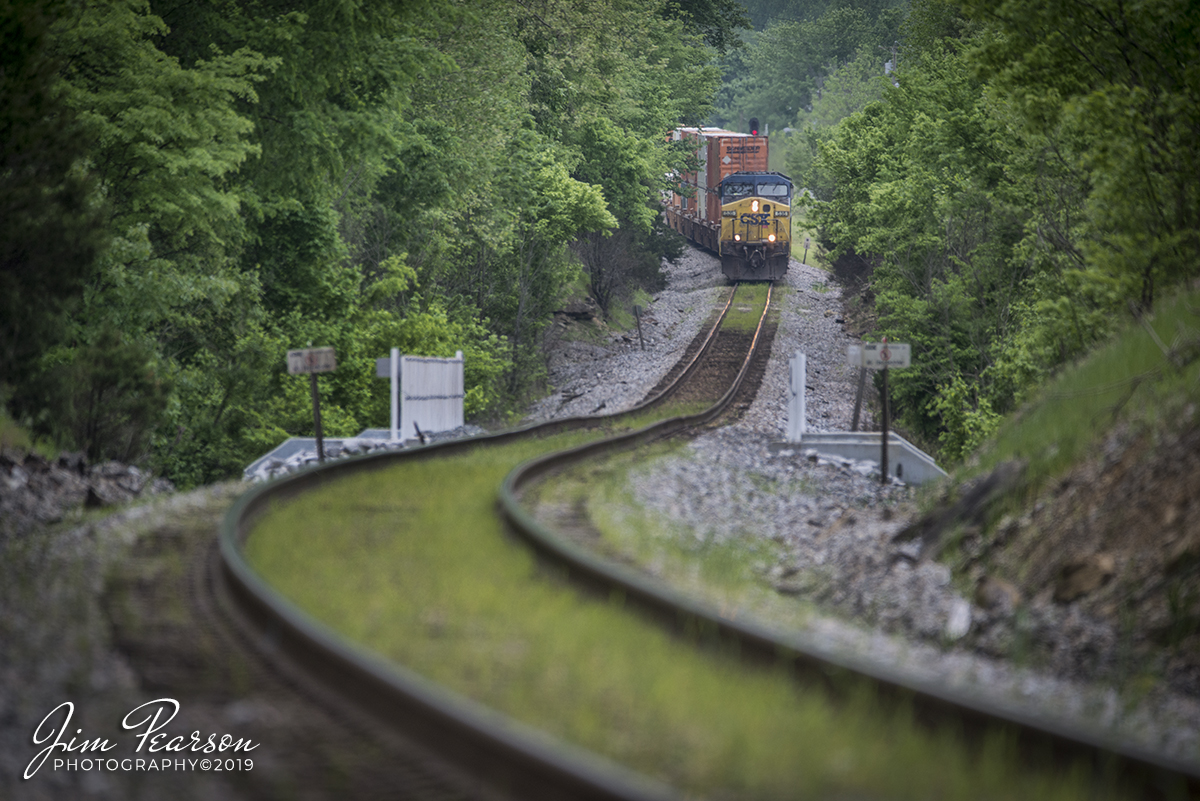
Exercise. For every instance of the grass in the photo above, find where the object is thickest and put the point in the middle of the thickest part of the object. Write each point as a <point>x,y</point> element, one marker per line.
<point>15,437</point>
<point>747,308</point>
<point>723,572</point>
<point>621,315</point>
<point>801,228</point>
<point>413,563</point>
<point>12,435</point>
<point>1129,379</point>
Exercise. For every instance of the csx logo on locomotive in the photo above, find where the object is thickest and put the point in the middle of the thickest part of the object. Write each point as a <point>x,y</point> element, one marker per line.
<point>754,219</point>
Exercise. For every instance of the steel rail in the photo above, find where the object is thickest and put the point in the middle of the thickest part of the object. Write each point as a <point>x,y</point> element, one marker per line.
<point>503,752</point>
<point>1063,739</point>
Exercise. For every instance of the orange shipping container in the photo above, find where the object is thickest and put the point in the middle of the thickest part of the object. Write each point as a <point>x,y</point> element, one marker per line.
<point>721,154</point>
<point>729,153</point>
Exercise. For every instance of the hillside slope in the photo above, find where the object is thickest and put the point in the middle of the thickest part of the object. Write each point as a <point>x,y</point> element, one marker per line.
<point>1085,552</point>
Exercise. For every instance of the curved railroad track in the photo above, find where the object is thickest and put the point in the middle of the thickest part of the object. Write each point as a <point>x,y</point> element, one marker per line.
<point>499,756</point>
<point>508,755</point>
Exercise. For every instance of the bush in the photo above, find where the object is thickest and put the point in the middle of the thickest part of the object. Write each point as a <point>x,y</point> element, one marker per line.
<point>107,399</point>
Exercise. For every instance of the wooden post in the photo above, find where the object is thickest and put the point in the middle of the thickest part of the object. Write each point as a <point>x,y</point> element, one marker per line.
<point>637,314</point>
<point>317,418</point>
<point>862,379</point>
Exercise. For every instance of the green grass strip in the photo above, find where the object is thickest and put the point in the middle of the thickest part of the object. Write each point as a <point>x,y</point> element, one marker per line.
<point>747,308</point>
<point>413,563</point>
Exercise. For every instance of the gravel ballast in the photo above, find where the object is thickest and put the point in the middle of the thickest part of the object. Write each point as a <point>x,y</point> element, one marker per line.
<point>878,600</point>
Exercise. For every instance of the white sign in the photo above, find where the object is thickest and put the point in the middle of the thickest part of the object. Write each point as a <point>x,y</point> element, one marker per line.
<point>311,360</point>
<point>886,354</point>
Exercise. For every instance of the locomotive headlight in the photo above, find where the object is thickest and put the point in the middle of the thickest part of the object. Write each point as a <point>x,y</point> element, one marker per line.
<point>753,205</point>
<point>737,237</point>
<point>771,238</point>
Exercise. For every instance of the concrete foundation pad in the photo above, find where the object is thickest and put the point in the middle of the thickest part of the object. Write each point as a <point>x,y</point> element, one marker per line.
<point>905,461</point>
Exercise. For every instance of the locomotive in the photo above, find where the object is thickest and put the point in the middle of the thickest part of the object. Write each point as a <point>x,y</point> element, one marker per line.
<point>733,206</point>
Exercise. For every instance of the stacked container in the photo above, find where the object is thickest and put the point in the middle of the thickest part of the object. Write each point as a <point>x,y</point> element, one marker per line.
<point>721,153</point>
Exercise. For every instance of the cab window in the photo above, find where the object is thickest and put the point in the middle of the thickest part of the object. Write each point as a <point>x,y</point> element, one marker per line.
<point>736,190</point>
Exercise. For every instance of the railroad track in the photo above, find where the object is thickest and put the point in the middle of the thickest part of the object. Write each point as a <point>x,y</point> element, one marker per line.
<point>509,760</point>
<point>509,755</point>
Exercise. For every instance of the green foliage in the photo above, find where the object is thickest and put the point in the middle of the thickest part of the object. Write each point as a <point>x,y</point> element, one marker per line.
<point>920,180</point>
<point>110,397</point>
<point>50,224</point>
<point>718,21</point>
<point>1145,374</point>
<point>164,137</point>
<point>847,90</point>
<point>967,419</point>
<point>1030,176</point>
<point>1115,91</point>
<point>362,177</point>
<point>627,261</point>
<point>786,65</point>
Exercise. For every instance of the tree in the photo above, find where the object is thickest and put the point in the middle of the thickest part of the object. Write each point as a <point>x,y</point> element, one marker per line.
<point>1114,89</point>
<point>718,21</point>
<point>358,175</point>
<point>788,62</point>
<point>51,225</point>
<point>922,180</point>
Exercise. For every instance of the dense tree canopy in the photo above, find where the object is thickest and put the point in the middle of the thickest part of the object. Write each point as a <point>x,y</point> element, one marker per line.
<point>785,65</point>
<point>208,184</point>
<point>50,228</point>
<point>192,188</point>
<point>1027,178</point>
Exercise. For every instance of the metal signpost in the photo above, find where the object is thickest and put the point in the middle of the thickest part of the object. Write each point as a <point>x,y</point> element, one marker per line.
<point>881,355</point>
<point>805,259</point>
<point>389,367</point>
<point>313,361</point>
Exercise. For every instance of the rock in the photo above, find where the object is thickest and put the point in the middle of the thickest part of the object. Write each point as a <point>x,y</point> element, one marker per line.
<point>958,622</point>
<point>75,461</point>
<point>1005,530</point>
<point>1083,576</point>
<point>16,479</point>
<point>993,593</point>
<point>1185,552</point>
<point>94,500</point>
<point>132,481</point>
<point>791,587</point>
<point>582,310</point>
<point>969,509</point>
<point>110,470</point>
<point>161,486</point>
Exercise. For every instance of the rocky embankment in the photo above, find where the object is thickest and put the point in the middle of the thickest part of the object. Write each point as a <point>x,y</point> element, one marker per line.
<point>35,491</point>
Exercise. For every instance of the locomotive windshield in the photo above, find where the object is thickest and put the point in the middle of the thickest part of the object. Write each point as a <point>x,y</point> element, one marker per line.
<point>766,185</point>
<point>736,189</point>
<point>773,190</point>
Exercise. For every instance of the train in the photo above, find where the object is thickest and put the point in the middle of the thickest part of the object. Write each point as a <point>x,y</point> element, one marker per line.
<point>733,205</point>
